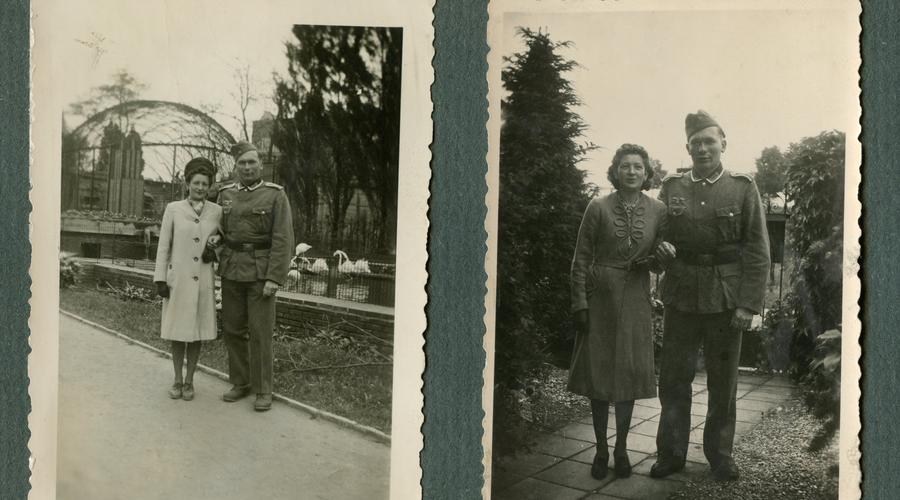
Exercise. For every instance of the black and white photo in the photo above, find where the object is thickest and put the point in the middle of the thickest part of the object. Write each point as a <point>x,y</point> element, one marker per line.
<point>673,235</point>
<point>234,198</point>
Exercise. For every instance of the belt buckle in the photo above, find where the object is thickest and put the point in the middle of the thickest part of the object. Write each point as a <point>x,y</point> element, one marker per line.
<point>247,247</point>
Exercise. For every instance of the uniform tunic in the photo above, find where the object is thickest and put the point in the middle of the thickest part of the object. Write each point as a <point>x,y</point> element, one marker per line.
<point>718,228</point>
<point>189,314</point>
<point>259,239</point>
<point>614,360</point>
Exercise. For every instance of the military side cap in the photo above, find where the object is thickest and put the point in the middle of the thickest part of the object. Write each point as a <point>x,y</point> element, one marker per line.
<point>199,165</point>
<point>695,122</point>
<point>241,148</point>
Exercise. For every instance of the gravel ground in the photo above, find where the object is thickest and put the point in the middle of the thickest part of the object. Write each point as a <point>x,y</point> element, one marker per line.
<point>553,406</point>
<point>774,463</point>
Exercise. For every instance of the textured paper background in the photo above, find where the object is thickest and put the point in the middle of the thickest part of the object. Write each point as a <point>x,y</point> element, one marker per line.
<point>452,454</point>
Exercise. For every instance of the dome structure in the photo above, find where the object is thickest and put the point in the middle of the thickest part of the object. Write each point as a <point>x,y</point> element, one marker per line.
<point>128,160</point>
<point>170,134</point>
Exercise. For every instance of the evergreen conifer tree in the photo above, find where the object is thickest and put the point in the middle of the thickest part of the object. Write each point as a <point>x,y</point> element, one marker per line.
<point>541,200</point>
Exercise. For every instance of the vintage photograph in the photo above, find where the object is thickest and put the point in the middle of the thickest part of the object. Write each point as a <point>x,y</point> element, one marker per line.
<point>241,231</point>
<point>673,223</point>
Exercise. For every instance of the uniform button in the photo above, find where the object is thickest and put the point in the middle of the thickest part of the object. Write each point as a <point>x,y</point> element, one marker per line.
<point>197,239</point>
<point>196,278</point>
<point>196,259</point>
<point>197,220</point>
<point>703,203</point>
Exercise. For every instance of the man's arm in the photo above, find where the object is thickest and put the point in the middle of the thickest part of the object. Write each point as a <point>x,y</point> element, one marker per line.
<point>755,258</point>
<point>282,240</point>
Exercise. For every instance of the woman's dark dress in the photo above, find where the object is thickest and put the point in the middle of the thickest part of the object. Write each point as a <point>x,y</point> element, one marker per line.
<point>614,360</point>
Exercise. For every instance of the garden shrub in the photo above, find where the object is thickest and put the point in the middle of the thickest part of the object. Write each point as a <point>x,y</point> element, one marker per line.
<point>69,270</point>
<point>541,200</point>
<point>821,387</point>
<point>815,186</point>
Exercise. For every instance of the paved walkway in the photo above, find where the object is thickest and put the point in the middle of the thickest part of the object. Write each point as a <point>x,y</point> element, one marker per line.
<point>120,436</point>
<point>559,467</point>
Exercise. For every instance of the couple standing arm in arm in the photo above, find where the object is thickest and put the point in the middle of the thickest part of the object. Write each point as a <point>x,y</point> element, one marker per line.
<point>251,228</point>
<point>709,233</point>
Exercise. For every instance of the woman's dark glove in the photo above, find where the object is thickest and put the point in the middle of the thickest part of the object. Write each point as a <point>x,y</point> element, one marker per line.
<point>581,321</point>
<point>162,289</point>
<point>208,255</point>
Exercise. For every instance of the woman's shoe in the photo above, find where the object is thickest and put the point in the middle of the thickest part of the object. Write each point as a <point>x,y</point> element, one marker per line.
<point>599,467</point>
<point>175,391</point>
<point>187,392</point>
<point>623,465</point>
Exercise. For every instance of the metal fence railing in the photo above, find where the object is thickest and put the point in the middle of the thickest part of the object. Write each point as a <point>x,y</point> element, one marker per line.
<point>357,281</point>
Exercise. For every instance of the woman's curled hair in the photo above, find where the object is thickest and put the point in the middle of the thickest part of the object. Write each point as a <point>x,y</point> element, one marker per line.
<point>631,149</point>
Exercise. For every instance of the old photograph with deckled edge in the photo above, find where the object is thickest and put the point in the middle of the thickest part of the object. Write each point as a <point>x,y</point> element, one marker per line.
<point>229,234</point>
<point>673,244</point>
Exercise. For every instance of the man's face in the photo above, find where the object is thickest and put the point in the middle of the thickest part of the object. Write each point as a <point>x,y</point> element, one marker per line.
<point>706,148</point>
<point>249,169</point>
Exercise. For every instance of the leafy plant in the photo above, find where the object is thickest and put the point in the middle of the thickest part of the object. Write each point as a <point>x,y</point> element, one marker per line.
<point>822,387</point>
<point>133,293</point>
<point>815,185</point>
<point>542,197</point>
<point>69,270</point>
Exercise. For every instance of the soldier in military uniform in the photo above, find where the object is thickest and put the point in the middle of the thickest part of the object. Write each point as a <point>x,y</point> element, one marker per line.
<point>254,262</point>
<point>717,237</point>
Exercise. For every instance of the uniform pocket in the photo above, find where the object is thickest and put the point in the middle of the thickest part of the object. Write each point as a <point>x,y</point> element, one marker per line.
<point>260,219</point>
<point>261,257</point>
<point>728,223</point>
<point>730,277</point>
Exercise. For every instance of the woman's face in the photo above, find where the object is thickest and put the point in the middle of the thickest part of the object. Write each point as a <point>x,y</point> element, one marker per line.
<point>198,187</point>
<point>631,172</point>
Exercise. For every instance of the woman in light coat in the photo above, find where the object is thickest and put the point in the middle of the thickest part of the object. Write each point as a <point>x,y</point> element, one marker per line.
<point>184,273</point>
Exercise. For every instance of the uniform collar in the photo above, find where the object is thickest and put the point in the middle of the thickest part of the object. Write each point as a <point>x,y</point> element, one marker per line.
<point>712,178</point>
<point>242,187</point>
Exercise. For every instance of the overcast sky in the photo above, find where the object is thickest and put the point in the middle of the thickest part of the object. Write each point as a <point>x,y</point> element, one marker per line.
<point>769,77</point>
<point>181,51</point>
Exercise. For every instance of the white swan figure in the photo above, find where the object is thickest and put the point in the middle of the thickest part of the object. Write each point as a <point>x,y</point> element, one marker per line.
<point>361,266</point>
<point>319,266</point>
<point>301,249</point>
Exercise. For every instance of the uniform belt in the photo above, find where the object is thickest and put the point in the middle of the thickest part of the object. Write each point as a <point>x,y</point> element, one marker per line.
<point>247,247</point>
<point>708,259</point>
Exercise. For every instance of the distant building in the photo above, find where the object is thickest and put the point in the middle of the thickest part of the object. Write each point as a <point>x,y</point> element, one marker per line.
<point>261,137</point>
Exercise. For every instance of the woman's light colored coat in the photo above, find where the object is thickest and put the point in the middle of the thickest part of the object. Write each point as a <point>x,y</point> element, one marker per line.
<point>189,314</point>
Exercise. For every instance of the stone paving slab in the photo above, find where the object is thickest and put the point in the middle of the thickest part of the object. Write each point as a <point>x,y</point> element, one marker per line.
<point>535,489</point>
<point>559,446</point>
<point>638,442</point>
<point>525,464</point>
<point>559,467</point>
<point>643,487</point>
<point>587,456</point>
<point>572,474</point>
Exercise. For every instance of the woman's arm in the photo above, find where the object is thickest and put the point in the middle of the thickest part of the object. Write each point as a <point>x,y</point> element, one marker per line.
<point>584,256</point>
<point>164,249</point>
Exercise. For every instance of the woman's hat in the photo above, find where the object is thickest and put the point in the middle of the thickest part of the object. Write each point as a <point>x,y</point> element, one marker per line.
<point>199,165</point>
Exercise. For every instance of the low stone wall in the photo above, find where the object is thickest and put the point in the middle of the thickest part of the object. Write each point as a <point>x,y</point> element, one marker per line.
<point>304,313</point>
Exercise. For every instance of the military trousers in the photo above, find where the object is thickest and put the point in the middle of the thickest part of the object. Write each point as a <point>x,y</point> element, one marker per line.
<point>683,335</point>
<point>248,318</point>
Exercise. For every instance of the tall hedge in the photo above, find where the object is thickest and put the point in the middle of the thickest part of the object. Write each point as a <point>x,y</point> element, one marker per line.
<point>541,200</point>
<point>815,186</point>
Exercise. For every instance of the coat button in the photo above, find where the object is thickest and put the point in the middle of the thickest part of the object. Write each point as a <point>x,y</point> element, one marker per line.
<point>196,278</point>
<point>196,259</point>
<point>197,240</point>
<point>197,220</point>
<point>703,203</point>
